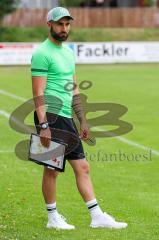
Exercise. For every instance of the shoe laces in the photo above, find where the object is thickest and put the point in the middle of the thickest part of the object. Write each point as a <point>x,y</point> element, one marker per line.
<point>61,217</point>
<point>109,216</point>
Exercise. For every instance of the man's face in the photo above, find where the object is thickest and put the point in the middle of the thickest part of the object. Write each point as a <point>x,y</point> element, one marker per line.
<point>59,30</point>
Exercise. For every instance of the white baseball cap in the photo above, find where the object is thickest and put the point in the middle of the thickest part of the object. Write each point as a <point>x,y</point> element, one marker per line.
<point>57,13</point>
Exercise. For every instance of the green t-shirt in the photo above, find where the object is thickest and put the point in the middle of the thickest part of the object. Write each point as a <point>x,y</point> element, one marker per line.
<point>57,63</point>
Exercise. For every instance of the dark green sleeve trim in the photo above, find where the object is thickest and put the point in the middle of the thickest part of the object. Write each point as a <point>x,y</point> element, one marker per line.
<point>38,70</point>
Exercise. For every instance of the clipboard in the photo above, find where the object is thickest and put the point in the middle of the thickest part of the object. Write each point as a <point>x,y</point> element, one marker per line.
<point>52,157</point>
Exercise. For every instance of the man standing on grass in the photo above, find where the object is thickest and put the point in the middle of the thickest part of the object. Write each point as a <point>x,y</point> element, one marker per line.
<point>53,68</point>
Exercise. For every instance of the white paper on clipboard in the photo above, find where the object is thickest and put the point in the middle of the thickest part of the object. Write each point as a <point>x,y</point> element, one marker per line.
<point>53,157</point>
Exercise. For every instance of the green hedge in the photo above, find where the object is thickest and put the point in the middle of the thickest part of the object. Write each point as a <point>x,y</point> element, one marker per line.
<point>81,35</point>
<point>70,3</point>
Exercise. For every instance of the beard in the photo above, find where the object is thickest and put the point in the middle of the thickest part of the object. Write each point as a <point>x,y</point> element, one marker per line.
<point>58,36</point>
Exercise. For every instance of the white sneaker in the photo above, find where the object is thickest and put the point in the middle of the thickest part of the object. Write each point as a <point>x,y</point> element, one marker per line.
<point>106,221</point>
<point>59,222</point>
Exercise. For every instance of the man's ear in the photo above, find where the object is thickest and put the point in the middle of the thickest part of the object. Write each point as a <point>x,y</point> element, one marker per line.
<point>49,24</point>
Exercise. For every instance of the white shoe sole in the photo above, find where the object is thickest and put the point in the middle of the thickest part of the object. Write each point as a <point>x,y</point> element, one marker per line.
<point>110,227</point>
<point>59,228</point>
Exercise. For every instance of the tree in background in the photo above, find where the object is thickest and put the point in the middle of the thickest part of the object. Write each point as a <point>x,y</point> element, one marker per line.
<point>7,6</point>
<point>148,3</point>
<point>117,3</point>
<point>70,3</point>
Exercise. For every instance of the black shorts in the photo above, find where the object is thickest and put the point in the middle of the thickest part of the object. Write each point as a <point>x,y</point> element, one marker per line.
<point>64,129</point>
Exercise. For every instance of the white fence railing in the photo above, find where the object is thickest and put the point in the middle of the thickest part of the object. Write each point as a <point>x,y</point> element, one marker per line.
<point>40,4</point>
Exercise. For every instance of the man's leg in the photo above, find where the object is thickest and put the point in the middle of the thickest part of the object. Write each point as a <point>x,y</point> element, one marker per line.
<point>83,180</point>
<point>49,185</point>
<point>49,191</point>
<point>55,220</point>
<point>85,187</point>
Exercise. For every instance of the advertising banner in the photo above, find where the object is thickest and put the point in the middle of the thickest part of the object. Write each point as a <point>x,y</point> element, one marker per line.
<point>87,53</point>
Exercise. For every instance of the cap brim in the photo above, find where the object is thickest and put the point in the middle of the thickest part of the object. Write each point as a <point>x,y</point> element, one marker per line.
<point>57,19</point>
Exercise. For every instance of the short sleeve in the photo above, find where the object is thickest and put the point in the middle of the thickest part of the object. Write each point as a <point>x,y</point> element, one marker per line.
<point>75,65</point>
<point>74,61</point>
<point>39,64</point>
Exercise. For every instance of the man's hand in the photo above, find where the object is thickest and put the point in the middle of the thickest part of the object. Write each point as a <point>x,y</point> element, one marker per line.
<point>45,137</point>
<point>84,133</point>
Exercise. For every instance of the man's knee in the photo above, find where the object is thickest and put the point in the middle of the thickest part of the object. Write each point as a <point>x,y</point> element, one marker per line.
<point>84,168</point>
<point>50,173</point>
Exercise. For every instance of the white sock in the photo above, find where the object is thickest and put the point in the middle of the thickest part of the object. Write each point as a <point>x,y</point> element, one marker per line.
<point>94,208</point>
<point>51,209</point>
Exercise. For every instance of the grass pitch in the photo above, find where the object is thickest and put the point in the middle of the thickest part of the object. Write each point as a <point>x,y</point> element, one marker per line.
<point>126,189</point>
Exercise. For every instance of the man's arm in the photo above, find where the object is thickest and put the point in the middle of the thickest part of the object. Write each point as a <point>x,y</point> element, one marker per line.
<point>38,86</point>
<point>78,109</point>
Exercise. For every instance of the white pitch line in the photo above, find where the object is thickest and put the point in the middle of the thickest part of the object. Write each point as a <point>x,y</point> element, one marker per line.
<point>12,95</point>
<point>135,144</point>
<point>121,139</point>
<point>5,114</point>
<point>130,142</point>
<point>6,151</point>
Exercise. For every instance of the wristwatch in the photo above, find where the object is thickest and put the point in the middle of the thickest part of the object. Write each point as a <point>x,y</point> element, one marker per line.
<point>44,125</point>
